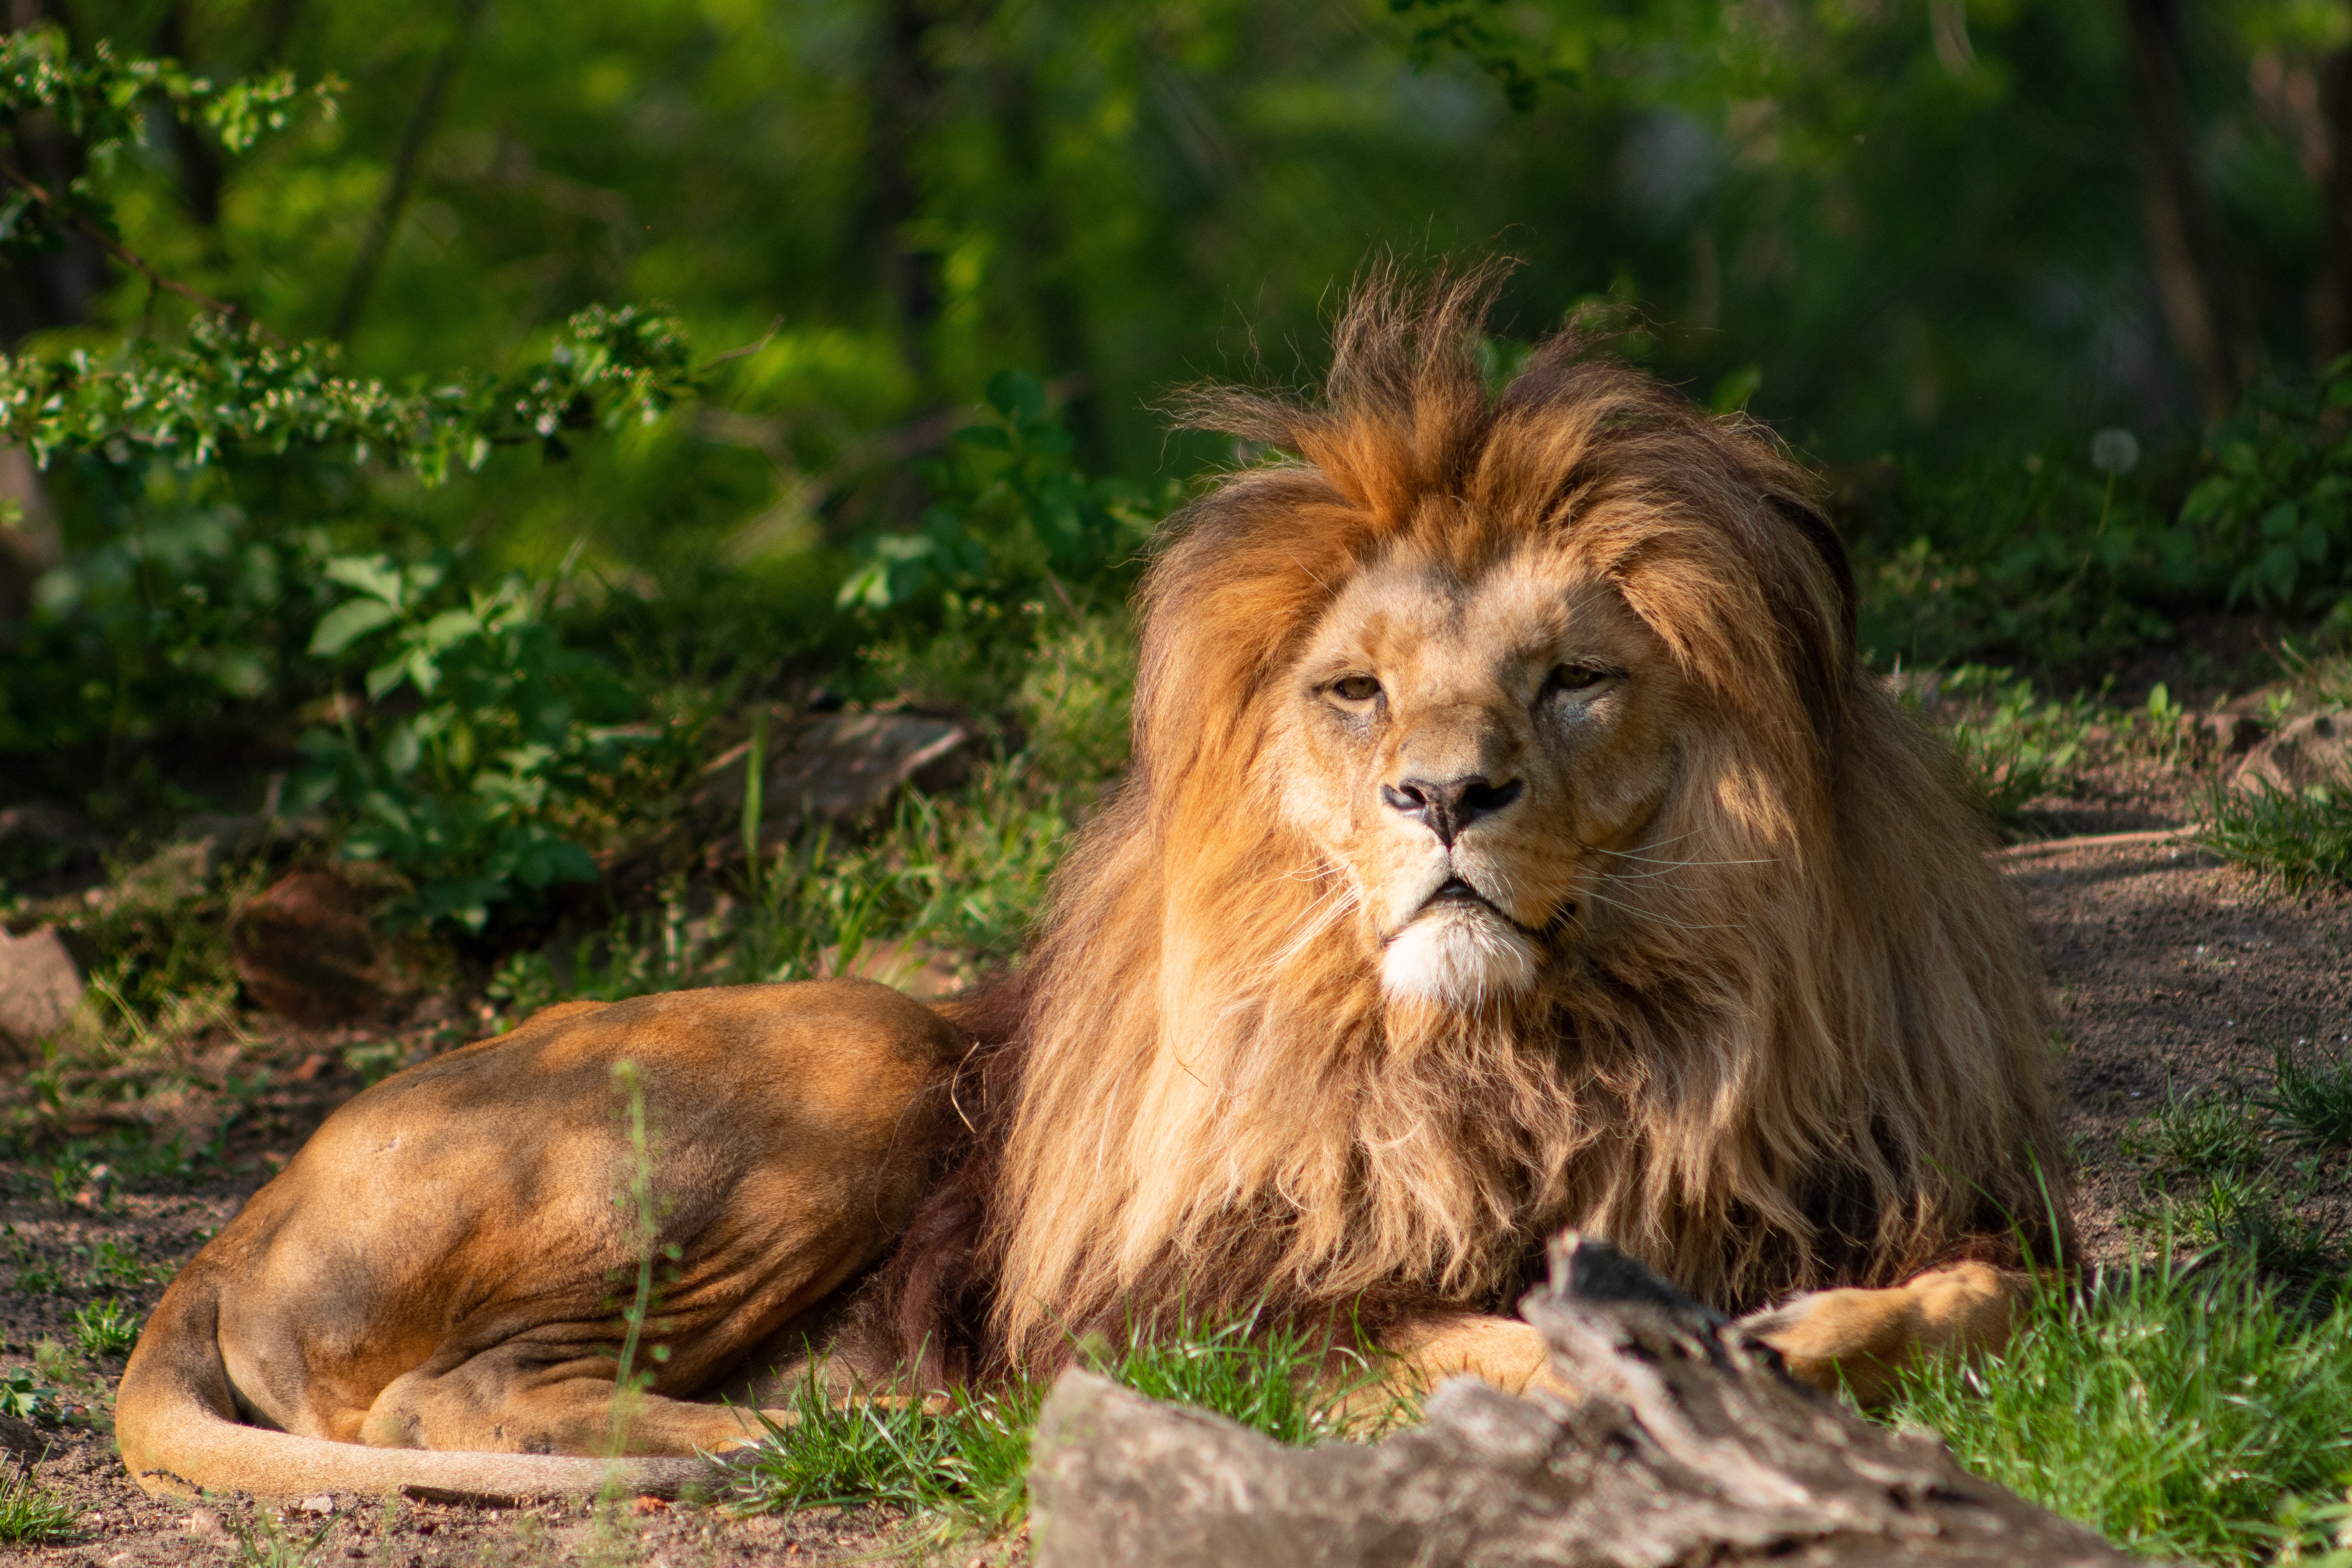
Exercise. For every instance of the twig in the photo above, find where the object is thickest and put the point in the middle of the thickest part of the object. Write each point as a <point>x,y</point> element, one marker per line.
<point>413,137</point>
<point>2151,837</point>
<point>125,254</point>
<point>764,339</point>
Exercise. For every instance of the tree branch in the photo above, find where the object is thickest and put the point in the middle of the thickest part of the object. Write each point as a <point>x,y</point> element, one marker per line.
<point>123,253</point>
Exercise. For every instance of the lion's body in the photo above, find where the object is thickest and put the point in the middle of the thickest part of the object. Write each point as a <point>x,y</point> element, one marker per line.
<point>1513,843</point>
<point>439,1268</point>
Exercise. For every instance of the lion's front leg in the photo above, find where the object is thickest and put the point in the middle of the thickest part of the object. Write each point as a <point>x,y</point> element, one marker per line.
<point>1862,1340</point>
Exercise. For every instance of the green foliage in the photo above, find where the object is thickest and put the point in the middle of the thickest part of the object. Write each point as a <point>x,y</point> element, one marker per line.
<point>2279,506</point>
<point>28,1514</point>
<point>2039,562</point>
<point>106,1328</point>
<point>1010,518</point>
<point>503,726</point>
<point>24,1396</point>
<point>2297,835</point>
<point>2213,1173</point>
<point>229,388</point>
<point>110,105</point>
<point>2178,1415</point>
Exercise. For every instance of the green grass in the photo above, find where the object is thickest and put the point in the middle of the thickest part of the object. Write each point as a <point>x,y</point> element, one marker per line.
<point>962,1466</point>
<point>2298,837</point>
<point>2215,1172</point>
<point>29,1514</point>
<point>2177,1414</point>
<point>2312,1101</point>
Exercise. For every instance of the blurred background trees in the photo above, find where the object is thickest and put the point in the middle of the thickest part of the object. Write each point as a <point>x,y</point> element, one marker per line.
<point>1937,244</point>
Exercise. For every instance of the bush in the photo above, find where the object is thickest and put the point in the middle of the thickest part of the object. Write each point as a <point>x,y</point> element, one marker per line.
<point>503,727</point>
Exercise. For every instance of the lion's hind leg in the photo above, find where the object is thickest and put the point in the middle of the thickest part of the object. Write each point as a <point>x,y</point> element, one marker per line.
<point>1862,1340</point>
<point>514,1399</point>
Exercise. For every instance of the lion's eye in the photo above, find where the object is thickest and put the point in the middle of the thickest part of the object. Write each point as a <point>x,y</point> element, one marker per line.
<point>1356,689</point>
<point>1573,679</point>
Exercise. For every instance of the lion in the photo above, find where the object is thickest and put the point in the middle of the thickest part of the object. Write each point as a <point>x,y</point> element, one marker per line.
<point>1513,843</point>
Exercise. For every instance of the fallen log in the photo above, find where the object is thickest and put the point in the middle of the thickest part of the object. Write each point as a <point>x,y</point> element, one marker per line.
<point>1692,1445</point>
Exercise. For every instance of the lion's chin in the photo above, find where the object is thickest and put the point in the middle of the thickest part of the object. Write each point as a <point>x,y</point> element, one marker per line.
<point>1458,957</point>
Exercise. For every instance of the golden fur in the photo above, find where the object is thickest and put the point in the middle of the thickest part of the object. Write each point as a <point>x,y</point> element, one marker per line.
<point>1789,1039</point>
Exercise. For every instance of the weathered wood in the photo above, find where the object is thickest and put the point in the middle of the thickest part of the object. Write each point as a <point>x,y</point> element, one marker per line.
<point>1693,1446</point>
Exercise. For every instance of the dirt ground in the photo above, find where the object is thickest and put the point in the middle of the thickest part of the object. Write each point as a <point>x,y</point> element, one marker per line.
<point>2170,974</point>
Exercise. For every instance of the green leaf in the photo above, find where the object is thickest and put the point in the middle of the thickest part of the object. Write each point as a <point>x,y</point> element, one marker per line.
<point>346,623</point>
<point>1017,395</point>
<point>371,575</point>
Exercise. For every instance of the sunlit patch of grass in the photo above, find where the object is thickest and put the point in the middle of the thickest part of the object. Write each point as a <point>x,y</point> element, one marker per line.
<point>2177,1414</point>
<point>30,1514</point>
<point>963,1461</point>
<point>2298,837</point>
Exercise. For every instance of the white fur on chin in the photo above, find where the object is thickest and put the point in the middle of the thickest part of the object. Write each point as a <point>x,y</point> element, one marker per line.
<point>1457,957</point>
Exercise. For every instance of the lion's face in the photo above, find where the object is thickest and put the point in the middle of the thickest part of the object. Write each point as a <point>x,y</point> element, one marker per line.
<point>1472,752</point>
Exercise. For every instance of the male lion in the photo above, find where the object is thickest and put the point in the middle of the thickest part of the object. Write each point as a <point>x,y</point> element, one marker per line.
<point>1513,843</point>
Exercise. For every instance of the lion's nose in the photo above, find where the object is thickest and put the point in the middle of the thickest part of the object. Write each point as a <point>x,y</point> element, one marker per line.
<point>1449,805</point>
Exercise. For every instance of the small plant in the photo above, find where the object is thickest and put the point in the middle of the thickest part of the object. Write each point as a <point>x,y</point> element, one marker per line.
<point>264,1539</point>
<point>24,1396</point>
<point>2298,837</point>
<point>37,1275</point>
<point>106,1328</point>
<point>2212,1175</point>
<point>2197,1135</point>
<point>109,1263</point>
<point>30,1514</point>
<point>2311,1101</point>
<point>2015,748</point>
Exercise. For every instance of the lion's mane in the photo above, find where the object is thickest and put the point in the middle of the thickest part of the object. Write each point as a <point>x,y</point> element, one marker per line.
<point>1809,1052</point>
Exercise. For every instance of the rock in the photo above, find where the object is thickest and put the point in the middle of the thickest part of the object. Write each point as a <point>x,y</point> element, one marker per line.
<point>40,986</point>
<point>2315,749</point>
<point>2231,733</point>
<point>41,838</point>
<point>1694,1446</point>
<point>305,951</point>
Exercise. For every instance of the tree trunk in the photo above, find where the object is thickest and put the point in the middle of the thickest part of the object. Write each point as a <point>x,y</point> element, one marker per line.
<point>2331,294</point>
<point>905,86</point>
<point>2201,305</point>
<point>1693,1446</point>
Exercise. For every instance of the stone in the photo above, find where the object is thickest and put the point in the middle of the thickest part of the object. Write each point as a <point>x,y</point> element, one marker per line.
<point>40,986</point>
<point>2316,748</point>
<point>2230,734</point>
<point>41,838</point>
<point>1691,1445</point>
<point>305,951</point>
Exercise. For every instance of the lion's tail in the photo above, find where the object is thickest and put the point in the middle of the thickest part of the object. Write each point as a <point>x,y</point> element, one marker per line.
<point>175,1422</point>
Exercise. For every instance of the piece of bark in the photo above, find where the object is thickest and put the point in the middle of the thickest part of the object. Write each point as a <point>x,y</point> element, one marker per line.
<point>305,949</point>
<point>1692,1446</point>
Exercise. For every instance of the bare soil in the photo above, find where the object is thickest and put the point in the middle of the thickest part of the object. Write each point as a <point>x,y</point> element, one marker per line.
<point>2170,972</point>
